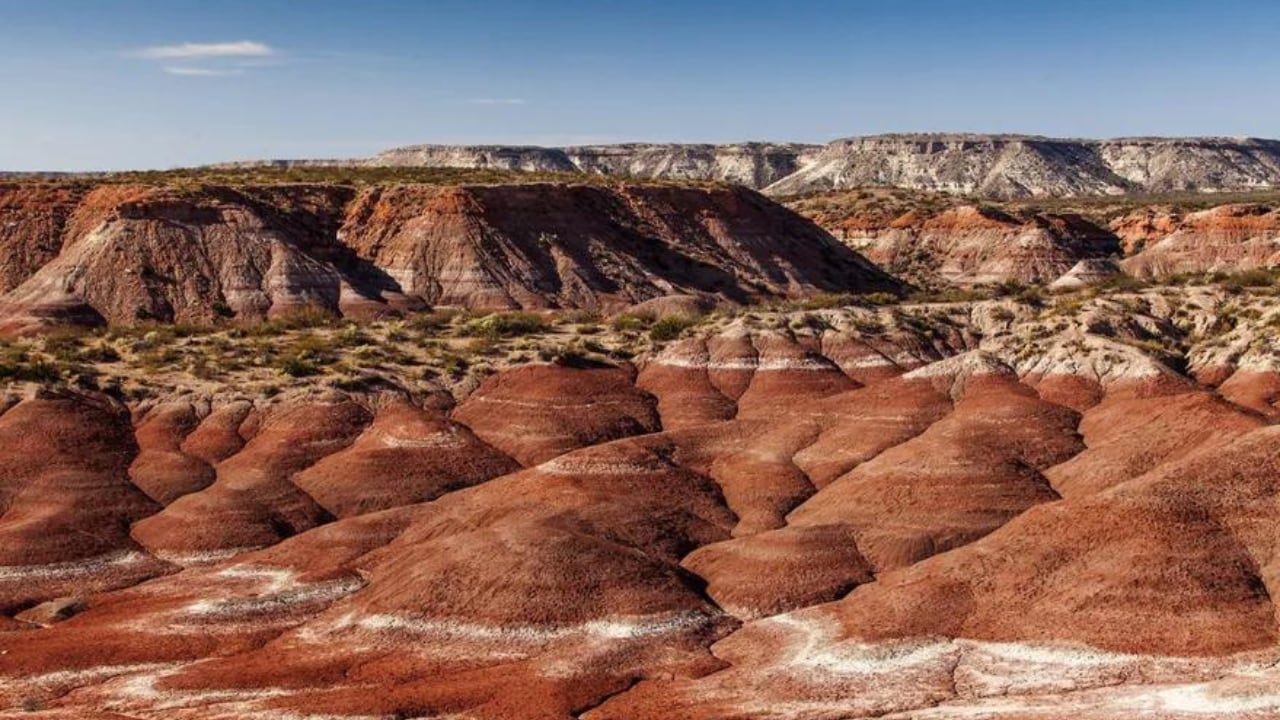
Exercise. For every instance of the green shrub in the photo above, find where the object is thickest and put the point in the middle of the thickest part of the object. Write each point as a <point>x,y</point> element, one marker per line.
<point>99,354</point>
<point>633,322</point>
<point>1256,277</point>
<point>580,317</point>
<point>880,298</point>
<point>868,326</point>
<point>432,321</point>
<point>671,327</point>
<point>827,301</point>
<point>506,324</point>
<point>38,371</point>
<point>295,366</point>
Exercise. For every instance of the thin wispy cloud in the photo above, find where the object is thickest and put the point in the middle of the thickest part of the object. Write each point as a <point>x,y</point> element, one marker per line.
<point>495,101</point>
<point>202,71</point>
<point>189,50</point>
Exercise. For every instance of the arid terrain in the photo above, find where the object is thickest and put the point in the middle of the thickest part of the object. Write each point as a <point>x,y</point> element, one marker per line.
<point>534,440</point>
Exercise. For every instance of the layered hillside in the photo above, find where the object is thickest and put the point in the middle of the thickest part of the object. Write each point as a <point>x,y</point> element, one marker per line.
<point>936,239</point>
<point>122,253</point>
<point>1228,238</point>
<point>994,166</point>
<point>980,509</point>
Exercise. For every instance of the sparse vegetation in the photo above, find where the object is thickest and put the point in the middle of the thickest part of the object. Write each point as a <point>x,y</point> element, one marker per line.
<point>339,174</point>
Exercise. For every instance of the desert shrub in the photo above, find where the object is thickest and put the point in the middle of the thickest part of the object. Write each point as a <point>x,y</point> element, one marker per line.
<point>99,354</point>
<point>879,298</point>
<point>580,317</point>
<point>868,326</point>
<point>950,295</point>
<point>506,324</point>
<point>63,346</point>
<point>296,366</point>
<point>1256,277</point>
<point>311,344</point>
<point>454,365</point>
<point>33,371</point>
<point>482,345</point>
<point>351,336</point>
<point>810,321</point>
<point>431,321</point>
<point>302,319</point>
<point>671,327</point>
<point>827,301</point>
<point>1121,283</point>
<point>633,322</point>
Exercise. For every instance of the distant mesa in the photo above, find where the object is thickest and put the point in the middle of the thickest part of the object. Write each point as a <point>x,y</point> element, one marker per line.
<point>995,166</point>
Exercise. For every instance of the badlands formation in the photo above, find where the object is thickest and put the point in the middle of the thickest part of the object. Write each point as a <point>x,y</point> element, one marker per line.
<point>505,446</point>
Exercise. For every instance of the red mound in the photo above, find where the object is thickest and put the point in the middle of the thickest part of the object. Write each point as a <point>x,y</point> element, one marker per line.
<point>407,455</point>
<point>536,412</point>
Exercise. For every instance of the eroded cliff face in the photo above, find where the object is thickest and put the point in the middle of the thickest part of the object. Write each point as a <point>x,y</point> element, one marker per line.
<point>133,253</point>
<point>33,221</point>
<point>997,166</point>
<point>754,165</point>
<point>496,157</point>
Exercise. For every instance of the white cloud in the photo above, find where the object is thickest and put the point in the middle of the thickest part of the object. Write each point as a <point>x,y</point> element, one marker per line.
<point>202,71</point>
<point>495,101</point>
<point>237,49</point>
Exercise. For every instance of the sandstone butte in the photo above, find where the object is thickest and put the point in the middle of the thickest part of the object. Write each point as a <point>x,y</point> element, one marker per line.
<point>1008,507</point>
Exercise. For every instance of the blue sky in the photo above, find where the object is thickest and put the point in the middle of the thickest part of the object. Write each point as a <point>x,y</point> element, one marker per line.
<point>109,84</point>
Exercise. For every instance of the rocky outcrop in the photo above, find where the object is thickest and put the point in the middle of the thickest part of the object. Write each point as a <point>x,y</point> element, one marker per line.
<point>136,253</point>
<point>1088,273</point>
